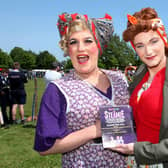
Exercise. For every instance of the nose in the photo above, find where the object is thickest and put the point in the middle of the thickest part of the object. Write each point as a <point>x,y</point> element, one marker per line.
<point>81,46</point>
<point>148,50</point>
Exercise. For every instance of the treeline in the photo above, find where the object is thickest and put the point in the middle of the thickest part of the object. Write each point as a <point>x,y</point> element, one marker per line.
<point>27,59</point>
<point>117,55</point>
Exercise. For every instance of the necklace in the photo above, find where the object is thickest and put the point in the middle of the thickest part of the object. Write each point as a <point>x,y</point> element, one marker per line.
<point>144,87</point>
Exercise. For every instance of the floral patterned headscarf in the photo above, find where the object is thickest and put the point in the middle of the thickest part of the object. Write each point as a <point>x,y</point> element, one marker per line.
<point>101,28</point>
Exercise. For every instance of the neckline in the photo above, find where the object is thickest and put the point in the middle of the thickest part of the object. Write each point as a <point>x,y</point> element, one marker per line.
<point>101,93</point>
<point>108,94</point>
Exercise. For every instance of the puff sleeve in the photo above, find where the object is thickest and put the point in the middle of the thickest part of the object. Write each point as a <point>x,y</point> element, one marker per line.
<point>51,123</point>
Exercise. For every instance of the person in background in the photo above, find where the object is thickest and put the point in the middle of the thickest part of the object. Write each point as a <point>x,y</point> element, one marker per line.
<point>5,100</point>
<point>53,73</point>
<point>67,120</point>
<point>17,80</point>
<point>149,90</point>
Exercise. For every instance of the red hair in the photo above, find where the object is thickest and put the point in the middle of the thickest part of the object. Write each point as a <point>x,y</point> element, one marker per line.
<point>144,24</point>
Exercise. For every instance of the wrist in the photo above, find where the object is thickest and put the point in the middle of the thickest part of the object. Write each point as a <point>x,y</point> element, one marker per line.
<point>91,132</point>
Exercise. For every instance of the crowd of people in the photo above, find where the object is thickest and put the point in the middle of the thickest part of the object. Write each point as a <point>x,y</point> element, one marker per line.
<point>12,95</point>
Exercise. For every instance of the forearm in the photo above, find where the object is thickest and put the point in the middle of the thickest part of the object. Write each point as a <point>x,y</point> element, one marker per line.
<point>148,153</point>
<point>73,140</point>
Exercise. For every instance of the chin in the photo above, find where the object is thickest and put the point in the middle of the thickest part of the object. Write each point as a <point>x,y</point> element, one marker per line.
<point>85,71</point>
<point>82,70</point>
<point>154,65</point>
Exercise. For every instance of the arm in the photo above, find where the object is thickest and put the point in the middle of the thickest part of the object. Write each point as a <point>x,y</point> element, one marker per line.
<point>146,152</point>
<point>52,134</point>
<point>73,140</point>
<point>24,77</point>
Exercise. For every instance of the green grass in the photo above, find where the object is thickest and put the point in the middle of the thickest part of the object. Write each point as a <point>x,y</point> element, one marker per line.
<point>16,143</point>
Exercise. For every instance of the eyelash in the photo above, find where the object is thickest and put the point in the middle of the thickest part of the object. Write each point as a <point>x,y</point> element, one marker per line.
<point>139,46</point>
<point>88,41</point>
<point>75,41</point>
<point>153,42</point>
<point>72,42</point>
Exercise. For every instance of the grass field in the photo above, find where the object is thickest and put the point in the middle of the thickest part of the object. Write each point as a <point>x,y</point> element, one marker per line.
<point>16,143</point>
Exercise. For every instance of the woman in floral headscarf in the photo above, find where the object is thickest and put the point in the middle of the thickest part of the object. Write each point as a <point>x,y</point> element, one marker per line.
<point>146,33</point>
<point>69,107</point>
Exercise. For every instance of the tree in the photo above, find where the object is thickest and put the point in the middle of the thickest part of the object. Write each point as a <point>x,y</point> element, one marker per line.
<point>117,54</point>
<point>5,60</point>
<point>67,65</point>
<point>44,60</point>
<point>27,59</point>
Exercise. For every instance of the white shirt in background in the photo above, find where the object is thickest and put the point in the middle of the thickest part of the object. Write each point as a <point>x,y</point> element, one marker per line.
<point>51,75</point>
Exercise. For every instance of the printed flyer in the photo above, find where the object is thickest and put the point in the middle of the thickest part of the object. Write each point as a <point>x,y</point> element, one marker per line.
<point>116,125</point>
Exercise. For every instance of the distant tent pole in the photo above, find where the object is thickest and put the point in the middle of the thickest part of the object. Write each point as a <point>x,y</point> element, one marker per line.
<point>36,96</point>
<point>34,103</point>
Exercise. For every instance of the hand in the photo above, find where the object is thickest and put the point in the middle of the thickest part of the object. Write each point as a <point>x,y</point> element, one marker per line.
<point>124,148</point>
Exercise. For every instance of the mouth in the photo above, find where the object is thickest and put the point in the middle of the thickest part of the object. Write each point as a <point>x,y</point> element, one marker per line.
<point>82,59</point>
<point>150,58</point>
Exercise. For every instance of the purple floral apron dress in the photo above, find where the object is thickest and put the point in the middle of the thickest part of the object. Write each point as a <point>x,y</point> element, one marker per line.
<point>83,102</point>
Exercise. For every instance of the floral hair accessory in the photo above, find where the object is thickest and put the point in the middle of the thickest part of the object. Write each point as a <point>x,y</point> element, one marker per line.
<point>65,19</point>
<point>101,28</point>
<point>132,19</point>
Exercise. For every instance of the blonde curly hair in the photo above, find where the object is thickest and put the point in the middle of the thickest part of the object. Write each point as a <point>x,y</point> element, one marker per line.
<point>75,26</point>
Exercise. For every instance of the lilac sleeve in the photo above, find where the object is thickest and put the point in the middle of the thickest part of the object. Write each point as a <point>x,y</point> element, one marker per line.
<point>51,123</point>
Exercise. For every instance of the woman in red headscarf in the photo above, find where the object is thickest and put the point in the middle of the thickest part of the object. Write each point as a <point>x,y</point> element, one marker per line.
<point>149,90</point>
<point>70,105</point>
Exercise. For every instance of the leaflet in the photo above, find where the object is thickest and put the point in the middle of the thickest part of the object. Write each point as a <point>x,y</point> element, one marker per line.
<point>116,125</point>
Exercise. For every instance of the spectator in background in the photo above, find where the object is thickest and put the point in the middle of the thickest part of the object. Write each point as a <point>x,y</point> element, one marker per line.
<point>5,98</point>
<point>17,79</point>
<point>53,73</point>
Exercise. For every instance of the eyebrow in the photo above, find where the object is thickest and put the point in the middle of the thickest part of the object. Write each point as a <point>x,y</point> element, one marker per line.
<point>87,37</point>
<point>140,43</point>
<point>71,39</point>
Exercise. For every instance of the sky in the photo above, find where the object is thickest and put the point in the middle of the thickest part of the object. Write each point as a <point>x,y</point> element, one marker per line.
<point>31,24</point>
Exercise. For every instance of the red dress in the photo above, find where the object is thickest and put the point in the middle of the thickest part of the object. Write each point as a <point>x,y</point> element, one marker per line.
<point>147,111</point>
